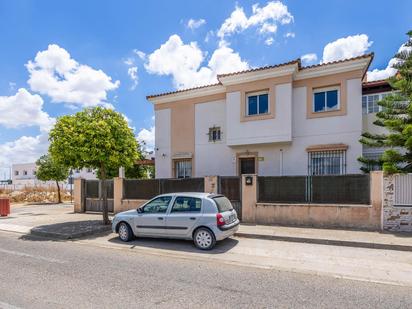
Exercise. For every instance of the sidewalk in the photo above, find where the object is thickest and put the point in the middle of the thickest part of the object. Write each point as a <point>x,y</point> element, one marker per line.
<point>52,220</point>
<point>348,238</point>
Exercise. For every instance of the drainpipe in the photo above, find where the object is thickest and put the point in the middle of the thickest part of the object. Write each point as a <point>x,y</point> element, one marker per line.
<point>281,162</point>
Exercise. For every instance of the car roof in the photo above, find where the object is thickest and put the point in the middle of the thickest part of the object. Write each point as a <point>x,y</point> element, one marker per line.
<point>192,194</point>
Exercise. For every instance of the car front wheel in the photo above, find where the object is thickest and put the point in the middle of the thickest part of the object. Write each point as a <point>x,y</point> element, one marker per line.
<point>125,232</point>
<point>204,239</point>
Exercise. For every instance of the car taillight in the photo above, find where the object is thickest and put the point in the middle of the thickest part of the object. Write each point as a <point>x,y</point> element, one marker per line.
<point>220,220</point>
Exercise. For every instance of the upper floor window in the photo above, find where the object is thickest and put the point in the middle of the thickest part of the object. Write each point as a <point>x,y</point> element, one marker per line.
<point>89,170</point>
<point>25,173</point>
<point>34,173</point>
<point>370,102</point>
<point>16,173</point>
<point>326,99</point>
<point>215,134</point>
<point>257,103</point>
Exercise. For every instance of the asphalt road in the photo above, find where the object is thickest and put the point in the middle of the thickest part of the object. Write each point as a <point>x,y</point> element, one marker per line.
<point>36,273</point>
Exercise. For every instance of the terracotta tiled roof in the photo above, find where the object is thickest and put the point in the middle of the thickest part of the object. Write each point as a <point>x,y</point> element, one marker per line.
<point>181,90</point>
<point>261,68</point>
<point>296,61</point>
<point>376,82</point>
<point>338,61</point>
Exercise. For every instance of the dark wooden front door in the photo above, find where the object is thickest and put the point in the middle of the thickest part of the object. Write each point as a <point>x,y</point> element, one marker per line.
<point>247,166</point>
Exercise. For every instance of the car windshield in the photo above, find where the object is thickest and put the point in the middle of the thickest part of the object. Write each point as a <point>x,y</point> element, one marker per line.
<point>223,204</point>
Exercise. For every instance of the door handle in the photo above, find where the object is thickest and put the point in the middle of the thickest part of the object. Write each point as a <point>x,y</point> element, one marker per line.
<point>192,218</point>
<point>160,218</point>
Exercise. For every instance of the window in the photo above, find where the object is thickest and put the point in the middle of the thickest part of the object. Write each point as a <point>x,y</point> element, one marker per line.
<point>16,173</point>
<point>25,173</point>
<point>331,162</point>
<point>325,100</point>
<point>222,203</point>
<point>370,102</point>
<point>187,204</point>
<point>77,171</point>
<point>257,103</point>
<point>158,205</point>
<point>215,134</point>
<point>34,173</point>
<point>89,170</point>
<point>183,168</point>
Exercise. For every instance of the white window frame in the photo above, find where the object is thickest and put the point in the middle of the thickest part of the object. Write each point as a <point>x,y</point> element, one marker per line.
<point>380,95</point>
<point>185,171</point>
<point>258,93</point>
<point>318,90</point>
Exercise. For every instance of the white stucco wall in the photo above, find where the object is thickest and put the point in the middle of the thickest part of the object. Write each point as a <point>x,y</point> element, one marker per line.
<point>326,130</point>
<point>163,144</point>
<point>272,130</point>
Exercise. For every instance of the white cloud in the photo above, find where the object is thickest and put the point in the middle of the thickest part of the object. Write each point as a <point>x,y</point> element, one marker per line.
<point>12,86</point>
<point>195,23</point>
<point>140,54</point>
<point>54,73</point>
<point>183,62</point>
<point>266,18</point>
<point>344,48</point>
<point>269,41</point>
<point>132,72</point>
<point>24,110</point>
<point>309,58</point>
<point>147,138</point>
<point>389,71</point>
<point>290,35</point>
<point>25,149</point>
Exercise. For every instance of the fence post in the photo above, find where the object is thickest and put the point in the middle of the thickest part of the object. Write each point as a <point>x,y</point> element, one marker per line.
<point>249,199</point>
<point>117,194</point>
<point>79,195</point>
<point>376,194</point>
<point>211,185</point>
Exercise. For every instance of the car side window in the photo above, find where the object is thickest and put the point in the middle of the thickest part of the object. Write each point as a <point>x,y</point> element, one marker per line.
<point>187,204</point>
<point>158,205</point>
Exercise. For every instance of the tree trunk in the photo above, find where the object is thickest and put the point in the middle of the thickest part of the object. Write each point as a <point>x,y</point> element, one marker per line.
<point>104,196</point>
<point>59,198</point>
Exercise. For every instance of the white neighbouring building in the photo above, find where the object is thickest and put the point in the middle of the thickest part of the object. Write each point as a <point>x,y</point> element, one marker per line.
<point>276,120</point>
<point>24,174</point>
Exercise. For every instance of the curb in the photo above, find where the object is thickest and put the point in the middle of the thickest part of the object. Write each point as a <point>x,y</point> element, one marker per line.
<point>330,242</point>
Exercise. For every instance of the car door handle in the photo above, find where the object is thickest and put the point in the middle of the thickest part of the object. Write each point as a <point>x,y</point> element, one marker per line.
<point>160,218</point>
<point>192,218</point>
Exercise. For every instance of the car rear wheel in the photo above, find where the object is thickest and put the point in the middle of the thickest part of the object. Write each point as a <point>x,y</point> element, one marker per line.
<point>204,239</point>
<point>125,232</point>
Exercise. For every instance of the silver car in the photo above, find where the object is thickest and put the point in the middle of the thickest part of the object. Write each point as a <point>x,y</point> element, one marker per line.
<point>202,217</point>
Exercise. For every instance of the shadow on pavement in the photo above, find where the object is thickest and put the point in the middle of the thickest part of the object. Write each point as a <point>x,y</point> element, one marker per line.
<point>176,244</point>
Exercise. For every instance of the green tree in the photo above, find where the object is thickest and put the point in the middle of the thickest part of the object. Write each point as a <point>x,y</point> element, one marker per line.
<point>396,117</point>
<point>49,169</point>
<point>97,138</point>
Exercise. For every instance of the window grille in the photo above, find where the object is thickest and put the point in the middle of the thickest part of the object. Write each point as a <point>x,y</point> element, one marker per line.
<point>330,162</point>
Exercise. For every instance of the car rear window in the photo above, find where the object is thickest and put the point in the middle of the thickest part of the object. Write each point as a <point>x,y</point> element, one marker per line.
<point>223,204</point>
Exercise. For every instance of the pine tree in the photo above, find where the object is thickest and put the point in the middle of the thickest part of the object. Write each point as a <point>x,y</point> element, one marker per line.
<point>396,117</point>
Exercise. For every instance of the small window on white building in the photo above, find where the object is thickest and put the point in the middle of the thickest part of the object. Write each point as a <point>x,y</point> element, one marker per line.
<point>326,99</point>
<point>215,134</point>
<point>370,102</point>
<point>34,173</point>
<point>16,173</point>
<point>330,162</point>
<point>89,170</point>
<point>25,173</point>
<point>257,103</point>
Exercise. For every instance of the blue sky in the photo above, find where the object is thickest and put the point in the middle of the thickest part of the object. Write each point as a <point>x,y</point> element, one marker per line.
<point>110,52</point>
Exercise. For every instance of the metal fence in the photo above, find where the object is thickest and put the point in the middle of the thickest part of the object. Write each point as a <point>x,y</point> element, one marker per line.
<point>93,195</point>
<point>231,187</point>
<point>149,188</point>
<point>403,190</point>
<point>336,189</point>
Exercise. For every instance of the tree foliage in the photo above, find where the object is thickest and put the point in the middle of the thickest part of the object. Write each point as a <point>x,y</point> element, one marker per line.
<point>97,138</point>
<point>49,169</point>
<point>396,117</point>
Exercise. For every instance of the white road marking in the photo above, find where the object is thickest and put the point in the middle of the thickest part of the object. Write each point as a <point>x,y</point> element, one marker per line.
<point>38,257</point>
<point>7,306</point>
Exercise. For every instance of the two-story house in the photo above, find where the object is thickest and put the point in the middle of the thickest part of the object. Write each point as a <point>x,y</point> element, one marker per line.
<point>276,120</point>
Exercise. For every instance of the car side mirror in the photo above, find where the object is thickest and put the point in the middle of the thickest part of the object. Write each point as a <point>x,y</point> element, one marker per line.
<point>140,210</point>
